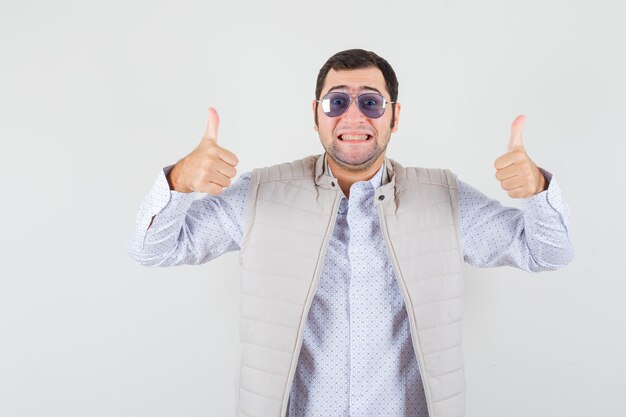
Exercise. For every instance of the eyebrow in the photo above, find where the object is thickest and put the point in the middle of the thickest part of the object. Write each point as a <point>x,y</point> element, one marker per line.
<point>345,87</point>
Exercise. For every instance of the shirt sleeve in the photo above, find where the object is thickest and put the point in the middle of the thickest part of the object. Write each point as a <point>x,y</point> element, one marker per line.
<point>534,238</point>
<point>187,229</point>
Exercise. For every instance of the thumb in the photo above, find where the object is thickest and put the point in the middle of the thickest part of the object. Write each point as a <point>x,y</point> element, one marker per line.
<point>212,125</point>
<point>516,132</point>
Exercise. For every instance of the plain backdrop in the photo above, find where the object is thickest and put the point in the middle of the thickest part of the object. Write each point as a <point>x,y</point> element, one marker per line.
<point>96,97</point>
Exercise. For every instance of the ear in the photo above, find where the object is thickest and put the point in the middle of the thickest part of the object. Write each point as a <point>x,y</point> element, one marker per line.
<point>313,106</point>
<point>396,119</point>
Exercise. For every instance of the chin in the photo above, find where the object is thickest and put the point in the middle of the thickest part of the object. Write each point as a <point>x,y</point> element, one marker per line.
<point>355,164</point>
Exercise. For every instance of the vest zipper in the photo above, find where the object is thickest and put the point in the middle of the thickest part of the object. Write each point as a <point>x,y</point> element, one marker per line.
<point>409,307</point>
<point>309,300</point>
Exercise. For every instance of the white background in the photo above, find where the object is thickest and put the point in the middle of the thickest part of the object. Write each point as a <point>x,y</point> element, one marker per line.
<point>97,97</point>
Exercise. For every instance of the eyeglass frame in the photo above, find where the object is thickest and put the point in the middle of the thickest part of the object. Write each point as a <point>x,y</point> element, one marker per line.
<point>356,102</point>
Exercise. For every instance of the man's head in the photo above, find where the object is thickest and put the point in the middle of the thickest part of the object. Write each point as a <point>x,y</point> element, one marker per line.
<point>356,59</point>
<point>357,138</point>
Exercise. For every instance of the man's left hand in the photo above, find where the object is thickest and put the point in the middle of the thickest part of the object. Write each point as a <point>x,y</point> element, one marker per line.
<point>517,173</point>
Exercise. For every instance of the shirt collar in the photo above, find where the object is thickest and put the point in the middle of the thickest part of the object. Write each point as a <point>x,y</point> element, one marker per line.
<point>376,180</point>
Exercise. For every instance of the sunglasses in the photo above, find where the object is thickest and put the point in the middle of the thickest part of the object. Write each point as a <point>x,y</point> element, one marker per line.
<point>371,105</point>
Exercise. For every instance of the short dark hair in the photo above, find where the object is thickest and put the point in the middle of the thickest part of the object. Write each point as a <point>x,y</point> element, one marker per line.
<point>357,59</point>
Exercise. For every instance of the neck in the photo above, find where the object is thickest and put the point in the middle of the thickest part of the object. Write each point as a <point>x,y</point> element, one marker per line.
<point>346,177</point>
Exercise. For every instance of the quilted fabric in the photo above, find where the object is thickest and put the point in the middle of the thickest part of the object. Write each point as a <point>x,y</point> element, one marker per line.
<point>292,210</point>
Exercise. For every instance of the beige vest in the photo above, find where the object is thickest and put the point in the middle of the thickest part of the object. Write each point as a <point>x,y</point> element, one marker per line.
<point>291,214</point>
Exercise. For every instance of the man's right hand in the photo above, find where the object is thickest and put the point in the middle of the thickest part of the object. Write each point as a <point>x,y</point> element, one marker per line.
<point>209,168</point>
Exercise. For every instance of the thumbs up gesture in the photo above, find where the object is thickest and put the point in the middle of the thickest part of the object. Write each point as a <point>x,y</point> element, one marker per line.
<point>208,168</point>
<point>517,173</point>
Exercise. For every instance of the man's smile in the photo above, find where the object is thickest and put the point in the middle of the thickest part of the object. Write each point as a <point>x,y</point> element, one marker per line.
<point>354,136</point>
<point>348,137</point>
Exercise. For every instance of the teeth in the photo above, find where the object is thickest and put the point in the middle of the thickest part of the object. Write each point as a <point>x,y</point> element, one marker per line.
<point>354,137</point>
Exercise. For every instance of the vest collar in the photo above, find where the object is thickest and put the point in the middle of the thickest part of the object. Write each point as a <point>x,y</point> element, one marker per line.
<point>383,194</point>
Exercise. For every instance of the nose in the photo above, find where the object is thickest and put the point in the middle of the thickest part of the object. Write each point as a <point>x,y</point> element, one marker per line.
<point>353,113</point>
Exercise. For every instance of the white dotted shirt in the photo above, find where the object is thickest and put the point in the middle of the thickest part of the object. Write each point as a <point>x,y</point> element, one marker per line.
<point>357,357</point>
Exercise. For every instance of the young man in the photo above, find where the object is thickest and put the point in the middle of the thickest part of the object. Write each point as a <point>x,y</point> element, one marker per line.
<point>352,264</point>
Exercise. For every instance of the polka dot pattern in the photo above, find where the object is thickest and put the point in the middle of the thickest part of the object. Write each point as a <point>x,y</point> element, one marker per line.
<point>357,356</point>
<point>188,230</point>
<point>534,239</point>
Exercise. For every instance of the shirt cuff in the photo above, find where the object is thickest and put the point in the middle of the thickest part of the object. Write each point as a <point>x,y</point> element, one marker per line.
<point>548,201</point>
<point>159,197</point>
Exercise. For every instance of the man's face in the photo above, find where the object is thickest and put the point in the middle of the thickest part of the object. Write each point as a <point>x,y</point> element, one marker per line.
<point>352,140</point>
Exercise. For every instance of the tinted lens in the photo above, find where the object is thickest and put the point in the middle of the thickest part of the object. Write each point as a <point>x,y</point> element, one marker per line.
<point>335,103</point>
<point>372,105</point>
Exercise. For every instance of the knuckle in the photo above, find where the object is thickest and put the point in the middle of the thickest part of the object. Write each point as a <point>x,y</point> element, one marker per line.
<point>212,151</point>
<point>204,164</point>
<point>214,189</point>
<point>204,177</point>
<point>530,179</point>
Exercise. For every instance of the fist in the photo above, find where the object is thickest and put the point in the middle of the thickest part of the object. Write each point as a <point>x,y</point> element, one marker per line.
<point>208,168</point>
<point>517,173</point>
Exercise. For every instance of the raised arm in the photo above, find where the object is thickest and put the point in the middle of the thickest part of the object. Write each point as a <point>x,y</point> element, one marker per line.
<point>173,227</point>
<point>535,238</point>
